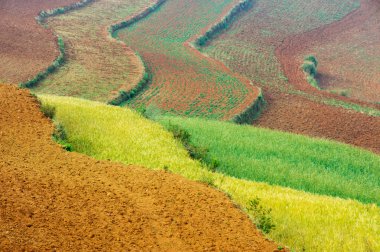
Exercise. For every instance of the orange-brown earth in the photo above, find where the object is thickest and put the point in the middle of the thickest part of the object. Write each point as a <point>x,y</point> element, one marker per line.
<point>52,199</point>
<point>348,52</point>
<point>26,48</point>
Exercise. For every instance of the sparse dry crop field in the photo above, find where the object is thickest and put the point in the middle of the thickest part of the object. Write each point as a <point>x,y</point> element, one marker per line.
<point>97,67</point>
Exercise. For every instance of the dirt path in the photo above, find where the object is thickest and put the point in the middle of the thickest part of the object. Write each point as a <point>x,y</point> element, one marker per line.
<point>52,199</point>
<point>26,48</point>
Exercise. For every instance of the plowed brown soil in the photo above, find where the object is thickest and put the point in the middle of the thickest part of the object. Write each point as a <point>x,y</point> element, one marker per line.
<point>299,115</point>
<point>348,51</point>
<point>26,48</point>
<point>52,199</point>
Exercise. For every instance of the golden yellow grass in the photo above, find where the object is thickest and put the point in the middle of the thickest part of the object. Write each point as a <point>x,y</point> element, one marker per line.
<point>304,221</point>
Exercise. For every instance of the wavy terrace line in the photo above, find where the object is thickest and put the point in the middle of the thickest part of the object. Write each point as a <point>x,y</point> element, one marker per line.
<point>248,47</point>
<point>26,48</point>
<point>184,80</point>
<point>348,52</point>
<point>56,200</point>
<point>97,66</point>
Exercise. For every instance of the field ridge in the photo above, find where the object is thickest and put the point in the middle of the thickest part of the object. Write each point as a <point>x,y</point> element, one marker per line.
<point>60,60</point>
<point>145,76</point>
<point>57,200</point>
<point>285,52</point>
<point>253,110</point>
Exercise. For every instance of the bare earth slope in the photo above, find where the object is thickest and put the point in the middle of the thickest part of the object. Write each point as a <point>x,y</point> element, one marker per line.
<point>52,199</point>
<point>26,48</point>
<point>348,52</point>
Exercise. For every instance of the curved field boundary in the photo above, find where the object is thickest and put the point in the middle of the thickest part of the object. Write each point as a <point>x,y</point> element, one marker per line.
<point>145,77</point>
<point>59,61</point>
<point>304,221</point>
<point>224,23</point>
<point>53,199</point>
<point>43,15</point>
<point>186,81</point>
<point>41,18</point>
<point>288,54</point>
<point>254,109</point>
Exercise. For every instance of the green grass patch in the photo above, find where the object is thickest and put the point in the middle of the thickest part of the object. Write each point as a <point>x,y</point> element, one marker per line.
<point>303,221</point>
<point>313,165</point>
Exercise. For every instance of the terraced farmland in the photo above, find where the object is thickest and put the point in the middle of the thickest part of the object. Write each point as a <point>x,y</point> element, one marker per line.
<point>97,67</point>
<point>249,47</point>
<point>184,81</point>
<point>302,193</point>
<point>303,221</point>
<point>348,52</point>
<point>25,47</point>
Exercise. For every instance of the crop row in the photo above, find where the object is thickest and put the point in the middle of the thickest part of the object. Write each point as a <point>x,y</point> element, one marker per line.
<point>184,81</point>
<point>97,67</point>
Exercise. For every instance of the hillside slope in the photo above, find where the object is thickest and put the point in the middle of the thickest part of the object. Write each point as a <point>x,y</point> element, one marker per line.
<point>51,199</point>
<point>253,46</point>
<point>26,48</point>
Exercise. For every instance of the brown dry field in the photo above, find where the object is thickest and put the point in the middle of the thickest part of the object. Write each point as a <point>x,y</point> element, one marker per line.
<point>51,199</point>
<point>348,52</point>
<point>300,115</point>
<point>26,48</point>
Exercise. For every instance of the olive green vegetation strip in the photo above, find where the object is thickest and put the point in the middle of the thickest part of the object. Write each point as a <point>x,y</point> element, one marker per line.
<point>224,23</point>
<point>339,103</point>
<point>60,60</point>
<point>146,77</point>
<point>252,112</point>
<point>52,68</point>
<point>303,221</point>
<point>43,15</point>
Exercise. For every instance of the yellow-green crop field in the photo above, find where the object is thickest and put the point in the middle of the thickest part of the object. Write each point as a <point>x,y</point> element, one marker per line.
<point>303,221</point>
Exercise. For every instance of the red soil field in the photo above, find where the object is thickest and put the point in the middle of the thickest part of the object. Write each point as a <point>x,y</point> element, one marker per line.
<point>348,52</point>
<point>247,48</point>
<point>185,81</point>
<point>299,115</point>
<point>26,48</point>
<point>51,199</point>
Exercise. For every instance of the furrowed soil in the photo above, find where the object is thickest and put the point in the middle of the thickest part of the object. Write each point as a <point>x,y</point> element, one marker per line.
<point>51,199</point>
<point>253,46</point>
<point>348,52</point>
<point>185,81</point>
<point>97,66</point>
<point>26,48</point>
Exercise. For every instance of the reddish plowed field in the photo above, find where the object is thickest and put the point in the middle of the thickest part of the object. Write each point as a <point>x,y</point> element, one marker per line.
<point>348,52</point>
<point>297,114</point>
<point>26,48</point>
<point>184,80</point>
<point>249,47</point>
<point>51,199</point>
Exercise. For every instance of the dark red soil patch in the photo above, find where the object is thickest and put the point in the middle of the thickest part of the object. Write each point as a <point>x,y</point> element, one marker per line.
<point>26,48</point>
<point>341,49</point>
<point>299,115</point>
<point>51,199</point>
